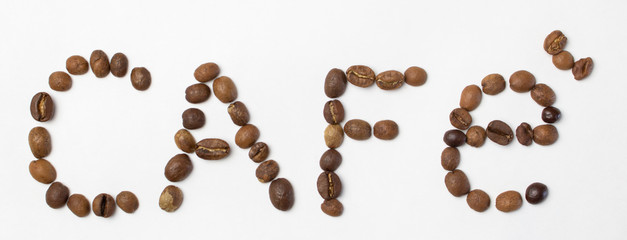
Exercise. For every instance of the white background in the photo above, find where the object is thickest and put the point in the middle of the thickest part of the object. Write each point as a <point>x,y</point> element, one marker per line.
<point>108,137</point>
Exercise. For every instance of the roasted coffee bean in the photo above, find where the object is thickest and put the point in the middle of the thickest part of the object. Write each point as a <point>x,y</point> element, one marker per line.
<point>454,138</point>
<point>471,97</point>
<point>197,93</point>
<point>357,129</point>
<point>239,113</point>
<point>493,84</point>
<point>499,132</point>
<point>57,195</point>
<point>457,183</point>
<point>39,142</point>
<point>475,136</point>
<point>266,171</point>
<point>246,136</point>
<point>224,89</point>
<point>330,160</point>
<point>524,134</point>
<point>390,80</point>
<point>545,134</point>
<point>60,81</point>
<point>332,207</point>
<point>478,200</point>
<point>76,65</point>
<point>140,78</point>
<point>551,114</point>
<point>508,201</point>
<point>554,43</point>
<point>543,95</point>
<point>207,72</point>
<point>563,60</point>
<point>333,135</point>
<point>259,152</point>
<point>42,107</point>
<point>127,201</point>
<point>335,83</point>
<point>536,193</point>
<point>415,76</point>
<point>79,205</point>
<point>582,68</point>
<point>281,194</point>
<point>522,81</point>
<point>329,185</point>
<point>333,112</point>
<point>450,158</point>
<point>99,63</point>
<point>460,118</point>
<point>103,205</point>
<point>171,198</point>
<point>385,129</point>
<point>212,149</point>
<point>185,141</point>
<point>360,75</point>
<point>119,65</point>
<point>178,168</point>
<point>42,171</point>
<point>193,118</point>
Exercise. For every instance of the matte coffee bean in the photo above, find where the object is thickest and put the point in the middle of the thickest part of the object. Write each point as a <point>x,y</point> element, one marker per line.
<point>197,93</point>
<point>238,113</point>
<point>522,81</point>
<point>582,68</point>
<point>119,65</point>
<point>385,129</point>
<point>390,80</point>
<point>193,118</point>
<point>77,65</point>
<point>103,205</point>
<point>358,129</point>
<point>475,136</point>
<point>333,112</point>
<point>206,72</point>
<point>454,138</point>
<point>563,60</point>
<point>493,84</point>
<point>333,135</point>
<point>42,171</point>
<point>329,185</point>
<point>470,98</point>
<point>224,89</point>
<point>281,194</point>
<point>212,149</point>
<point>39,142</point>
<point>551,114</point>
<point>267,171</point>
<point>478,200</point>
<point>57,195</point>
<point>499,132</point>
<point>178,168</point>
<point>246,136</point>
<point>185,141</point>
<point>332,207</point>
<point>140,78</point>
<point>259,152</point>
<point>42,107</point>
<point>460,118</point>
<point>99,63</point>
<point>536,193</point>
<point>415,76</point>
<point>127,201</point>
<point>60,81</point>
<point>360,75</point>
<point>554,43</point>
<point>543,95</point>
<point>545,134</point>
<point>79,205</point>
<point>171,198</point>
<point>335,83</point>
<point>330,160</point>
<point>450,158</point>
<point>508,201</point>
<point>524,134</point>
<point>457,183</point>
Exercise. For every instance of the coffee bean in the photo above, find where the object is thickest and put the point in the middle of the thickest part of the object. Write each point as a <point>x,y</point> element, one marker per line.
<point>333,135</point>
<point>246,136</point>
<point>332,207</point>
<point>119,65</point>
<point>582,68</point>
<point>103,205</point>
<point>239,113</point>
<point>266,171</point>
<point>508,201</point>
<point>57,195</point>
<point>185,141</point>
<point>457,183</point>
<point>460,118</point>
<point>60,81</point>
<point>207,72</point>
<point>79,205</point>
<point>522,81</point>
<point>385,129</point>
<point>471,97</point>
<point>475,136</point>
<point>333,112</point>
<point>524,134</point>
<point>39,142</point>
<point>127,201</point>
<point>281,194</point>
<point>545,134</point>
<point>193,118</point>
<point>360,75</point>
<point>536,193</point>
<point>390,80</point>
<point>493,84</point>
<point>259,152</point>
<point>330,160</point>
<point>224,89</point>
<point>212,149</point>
<point>478,200</point>
<point>450,158</point>
<point>329,185</point>
<point>178,168</point>
<point>171,198</point>
<point>197,93</point>
<point>454,138</point>
<point>42,171</point>
<point>76,65</point>
<point>563,60</point>
<point>543,95</point>
<point>415,76</point>
<point>140,78</point>
<point>42,107</point>
<point>554,43</point>
<point>551,114</point>
<point>499,132</point>
<point>335,83</point>
<point>357,129</point>
<point>99,63</point>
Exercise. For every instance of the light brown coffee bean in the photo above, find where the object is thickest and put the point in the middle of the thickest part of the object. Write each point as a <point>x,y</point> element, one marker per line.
<point>39,142</point>
<point>246,136</point>
<point>333,135</point>
<point>357,129</point>
<point>178,168</point>
<point>450,158</point>
<point>238,113</point>
<point>103,205</point>
<point>470,98</point>
<point>281,194</point>
<point>522,81</point>
<point>76,65</point>
<point>563,60</point>
<point>475,136</point>
<point>543,95</point>
<point>524,134</point>
<point>259,152</point>
<point>582,68</point>
<point>457,183</point>
<point>212,149</point>
<point>127,201</point>
<point>332,207</point>
<point>42,107</point>
<point>99,63</point>
<point>460,118</point>
<point>499,132</point>
<point>333,112</point>
<point>119,65</point>
<point>329,185</point>
<point>42,171</point>
<point>385,129</point>
<point>60,81</point>
<point>57,195</point>
<point>206,72</point>
<point>267,171</point>
<point>224,89</point>
<point>79,205</point>
<point>415,76</point>
<point>390,80</point>
<point>185,141</point>
<point>554,43</point>
<point>140,78</point>
<point>360,75</point>
<point>330,160</point>
<point>335,83</point>
<point>493,84</point>
<point>197,93</point>
<point>171,198</point>
<point>545,134</point>
<point>508,201</point>
<point>478,200</point>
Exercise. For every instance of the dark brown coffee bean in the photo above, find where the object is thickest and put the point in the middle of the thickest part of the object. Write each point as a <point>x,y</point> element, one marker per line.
<point>332,207</point>
<point>42,107</point>
<point>582,68</point>
<point>360,75</point>
<point>563,60</point>
<point>457,183</point>
<point>357,129</point>
<point>508,201</point>
<point>499,132</point>
<point>536,193</point>
<point>57,195</point>
<point>224,89</point>
<point>127,201</point>
<point>460,118</point>
<point>454,138</point>
<point>522,81</point>
<point>335,83</point>
<point>185,141</point>
<point>246,136</point>
<point>493,84</point>
<point>79,205</point>
<point>554,43</point>
<point>76,65</point>
<point>99,63</point>
<point>471,97</point>
<point>333,135</point>
<point>329,185</point>
<point>545,134</point>
<point>197,93</point>
<point>475,136</point>
<point>385,129</point>
<point>266,171</point>
<point>193,118</point>
<point>551,114</point>
<point>543,95</point>
<point>207,72</point>
<point>119,65</point>
<point>212,149</point>
<point>415,76</point>
<point>171,198</point>
<point>333,112</point>
<point>390,80</point>
<point>281,194</point>
<point>178,168</point>
<point>140,78</point>
<point>450,158</point>
<point>42,171</point>
<point>60,81</point>
<point>239,113</point>
<point>524,134</point>
<point>478,200</point>
<point>330,160</point>
<point>39,142</point>
<point>259,152</point>
<point>103,205</point>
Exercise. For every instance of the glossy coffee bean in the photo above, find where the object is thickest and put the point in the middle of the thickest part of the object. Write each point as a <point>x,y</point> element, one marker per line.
<point>450,158</point>
<point>281,194</point>
<point>390,80</point>
<point>171,198</point>
<point>493,84</point>
<point>76,65</point>
<point>178,168</point>
<point>330,160</point>
<point>60,81</point>
<point>554,43</point>
<point>478,200</point>
<point>470,98</point>
<point>415,76</point>
<point>42,107</point>
<point>508,201</point>
<point>457,183</point>
<point>563,60</point>
<point>140,78</point>
<point>99,63</point>
<point>206,72</point>
<point>543,95</point>
<point>551,114</point>
<point>460,118</point>
<point>267,171</point>
<point>332,207</point>
<point>333,136</point>
<point>499,132</point>
<point>127,201</point>
<point>238,113</point>
<point>335,83</point>
<point>193,118</point>
<point>524,134</point>
<point>329,185</point>
<point>212,149</point>
<point>103,205</point>
<point>360,75</point>
<point>259,152</point>
<point>454,138</point>
<point>522,81</point>
<point>358,129</point>
<point>536,193</point>
<point>197,93</point>
<point>42,171</point>
<point>39,142</point>
<point>246,136</point>
<point>224,89</point>
<point>185,141</point>
<point>57,195</point>
<point>333,112</point>
<point>119,65</point>
<point>545,134</point>
<point>385,130</point>
<point>582,68</point>
<point>475,136</point>
<point>79,205</point>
